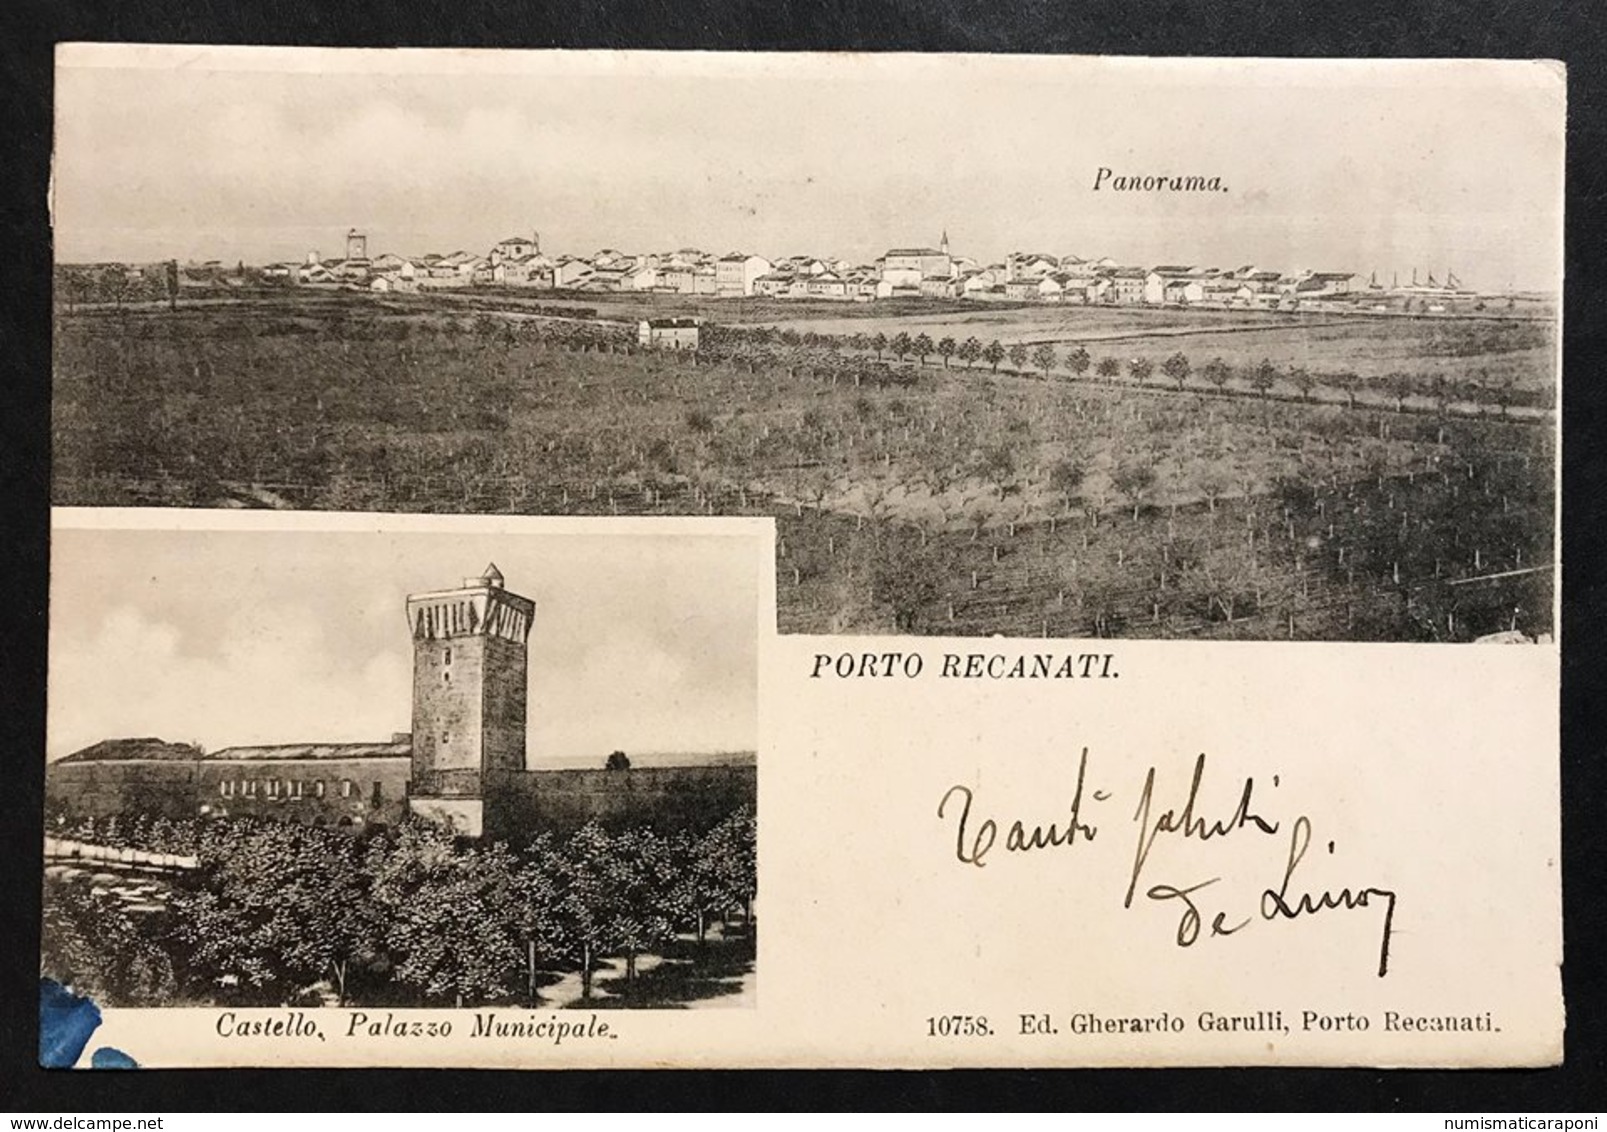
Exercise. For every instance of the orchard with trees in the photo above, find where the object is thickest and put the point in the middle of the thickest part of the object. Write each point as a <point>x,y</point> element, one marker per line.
<point>908,497</point>
<point>280,913</point>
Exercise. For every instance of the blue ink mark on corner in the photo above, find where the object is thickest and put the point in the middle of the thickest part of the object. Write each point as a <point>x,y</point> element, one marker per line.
<point>66,1021</point>
<point>108,1057</point>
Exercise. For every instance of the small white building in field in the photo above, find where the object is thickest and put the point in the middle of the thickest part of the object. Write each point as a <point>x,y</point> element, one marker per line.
<point>668,333</point>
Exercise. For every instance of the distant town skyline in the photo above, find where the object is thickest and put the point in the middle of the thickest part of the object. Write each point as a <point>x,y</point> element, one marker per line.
<point>264,154</point>
<point>377,246</point>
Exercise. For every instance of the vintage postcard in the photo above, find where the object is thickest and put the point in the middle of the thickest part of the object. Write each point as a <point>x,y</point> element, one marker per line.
<point>1021,530</point>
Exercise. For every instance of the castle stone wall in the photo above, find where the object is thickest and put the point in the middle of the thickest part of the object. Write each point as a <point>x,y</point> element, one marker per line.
<point>158,788</point>
<point>522,805</point>
<point>327,792</point>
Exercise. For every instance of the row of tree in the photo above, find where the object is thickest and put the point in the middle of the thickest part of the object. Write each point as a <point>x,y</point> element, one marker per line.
<point>407,915</point>
<point>1044,358</point>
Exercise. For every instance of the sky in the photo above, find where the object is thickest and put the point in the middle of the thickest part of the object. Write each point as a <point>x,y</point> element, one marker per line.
<point>263,154</point>
<point>644,643</point>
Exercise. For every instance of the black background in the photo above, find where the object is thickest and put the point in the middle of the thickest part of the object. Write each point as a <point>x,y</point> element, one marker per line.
<point>1571,31</point>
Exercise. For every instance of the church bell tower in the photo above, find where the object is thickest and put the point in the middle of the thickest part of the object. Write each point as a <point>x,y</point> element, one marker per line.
<point>470,671</point>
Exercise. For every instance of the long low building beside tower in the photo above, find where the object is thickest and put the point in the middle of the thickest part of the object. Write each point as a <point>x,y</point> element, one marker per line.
<point>463,766</point>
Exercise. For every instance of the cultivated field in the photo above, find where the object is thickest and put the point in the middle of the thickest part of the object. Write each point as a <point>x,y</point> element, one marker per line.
<point>1494,349</point>
<point>908,497</point>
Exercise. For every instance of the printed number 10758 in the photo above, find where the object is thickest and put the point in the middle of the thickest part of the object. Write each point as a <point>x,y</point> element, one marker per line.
<point>958,1026</point>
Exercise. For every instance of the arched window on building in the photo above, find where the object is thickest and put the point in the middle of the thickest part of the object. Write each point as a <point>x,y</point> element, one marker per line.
<point>345,788</point>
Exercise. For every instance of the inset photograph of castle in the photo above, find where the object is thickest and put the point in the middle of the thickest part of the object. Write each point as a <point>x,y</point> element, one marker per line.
<point>1033,347</point>
<point>406,761</point>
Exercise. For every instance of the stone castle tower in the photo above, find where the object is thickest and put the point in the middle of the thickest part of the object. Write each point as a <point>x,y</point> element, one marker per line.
<point>470,670</point>
<point>356,244</point>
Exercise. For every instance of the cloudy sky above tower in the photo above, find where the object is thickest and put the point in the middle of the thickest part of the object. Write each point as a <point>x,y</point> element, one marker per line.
<point>265,154</point>
<point>641,642</point>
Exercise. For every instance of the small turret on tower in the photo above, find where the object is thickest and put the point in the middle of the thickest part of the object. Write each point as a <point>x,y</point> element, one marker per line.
<point>491,576</point>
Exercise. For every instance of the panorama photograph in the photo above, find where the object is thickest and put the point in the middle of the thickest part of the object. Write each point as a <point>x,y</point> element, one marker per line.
<point>1031,347</point>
